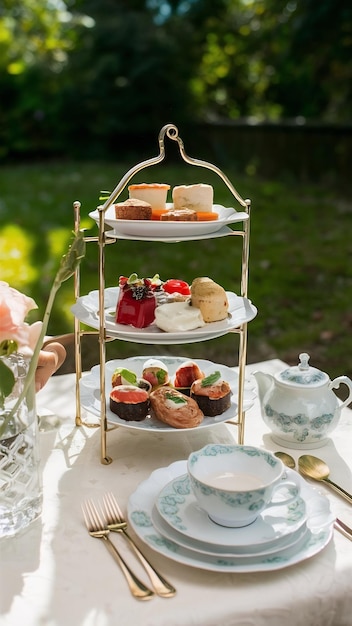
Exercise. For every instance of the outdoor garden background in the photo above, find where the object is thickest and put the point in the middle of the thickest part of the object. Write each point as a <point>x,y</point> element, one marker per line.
<point>260,88</point>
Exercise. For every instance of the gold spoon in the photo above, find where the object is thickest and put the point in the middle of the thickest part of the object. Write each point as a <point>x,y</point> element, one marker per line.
<point>289,461</point>
<point>315,468</point>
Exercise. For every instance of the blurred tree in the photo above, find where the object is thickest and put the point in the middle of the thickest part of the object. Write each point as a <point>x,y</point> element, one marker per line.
<point>36,37</point>
<point>128,75</point>
<point>272,59</point>
<point>313,62</point>
<point>87,77</point>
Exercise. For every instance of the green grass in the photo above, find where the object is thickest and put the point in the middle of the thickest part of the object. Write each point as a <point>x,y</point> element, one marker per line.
<point>300,256</point>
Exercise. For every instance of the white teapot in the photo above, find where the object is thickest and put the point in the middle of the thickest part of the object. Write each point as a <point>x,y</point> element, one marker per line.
<point>299,406</point>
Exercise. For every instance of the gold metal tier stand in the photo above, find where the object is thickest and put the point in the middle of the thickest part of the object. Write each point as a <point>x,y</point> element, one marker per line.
<point>170,131</point>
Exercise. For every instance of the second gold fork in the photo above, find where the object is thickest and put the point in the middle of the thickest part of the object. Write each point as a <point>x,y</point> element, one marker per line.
<point>115,522</point>
<point>96,528</point>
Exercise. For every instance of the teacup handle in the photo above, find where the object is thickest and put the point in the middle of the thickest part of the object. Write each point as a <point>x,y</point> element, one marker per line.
<point>343,380</point>
<point>287,484</point>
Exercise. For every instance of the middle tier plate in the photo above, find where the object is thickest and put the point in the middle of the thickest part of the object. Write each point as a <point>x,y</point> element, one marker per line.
<point>90,391</point>
<point>241,310</point>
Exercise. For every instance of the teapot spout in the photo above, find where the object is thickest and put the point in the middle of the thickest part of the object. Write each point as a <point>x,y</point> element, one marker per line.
<point>265,382</point>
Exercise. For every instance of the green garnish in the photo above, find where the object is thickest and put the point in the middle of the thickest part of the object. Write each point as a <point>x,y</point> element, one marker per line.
<point>104,195</point>
<point>132,279</point>
<point>161,376</point>
<point>175,399</point>
<point>211,379</point>
<point>131,377</point>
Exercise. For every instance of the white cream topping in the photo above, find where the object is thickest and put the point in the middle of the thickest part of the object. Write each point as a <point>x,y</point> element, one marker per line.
<point>178,316</point>
<point>171,404</point>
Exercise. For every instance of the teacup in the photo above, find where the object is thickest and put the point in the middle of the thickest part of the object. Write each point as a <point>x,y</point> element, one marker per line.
<point>233,484</point>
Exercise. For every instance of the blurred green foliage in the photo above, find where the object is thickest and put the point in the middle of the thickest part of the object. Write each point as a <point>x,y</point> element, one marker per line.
<point>94,79</point>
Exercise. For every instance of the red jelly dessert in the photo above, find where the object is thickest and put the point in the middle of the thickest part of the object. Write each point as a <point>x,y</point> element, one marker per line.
<point>136,303</point>
<point>173,285</point>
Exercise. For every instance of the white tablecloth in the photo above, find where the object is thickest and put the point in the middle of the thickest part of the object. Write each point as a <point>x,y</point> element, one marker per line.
<point>54,574</point>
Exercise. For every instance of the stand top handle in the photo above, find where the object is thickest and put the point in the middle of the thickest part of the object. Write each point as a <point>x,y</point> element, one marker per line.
<point>171,131</point>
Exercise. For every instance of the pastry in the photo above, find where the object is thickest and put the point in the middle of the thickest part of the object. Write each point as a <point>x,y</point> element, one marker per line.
<point>155,372</point>
<point>173,290</point>
<point>129,402</point>
<point>197,197</point>
<point>123,376</point>
<point>153,193</point>
<point>210,298</point>
<point>136,302</point>
<point>179,215</point>
<point>178,317</point>
<point>212,394</point>
<point>185,375</point>
<point>174,408</point>
<point>133,209</point>
<point>174,285</point>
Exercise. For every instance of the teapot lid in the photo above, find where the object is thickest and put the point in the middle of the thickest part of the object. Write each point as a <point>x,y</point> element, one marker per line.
<point>303,374</point>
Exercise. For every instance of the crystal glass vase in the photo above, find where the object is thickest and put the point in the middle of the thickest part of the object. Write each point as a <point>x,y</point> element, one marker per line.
<point>20,477</point>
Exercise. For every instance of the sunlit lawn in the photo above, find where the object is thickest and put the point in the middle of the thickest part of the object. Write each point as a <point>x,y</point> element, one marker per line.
<point>300,255</point>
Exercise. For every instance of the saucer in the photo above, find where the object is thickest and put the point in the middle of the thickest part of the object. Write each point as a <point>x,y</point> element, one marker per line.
<point>179,508</point>
<point>226,551</point>
<point>140,508</point>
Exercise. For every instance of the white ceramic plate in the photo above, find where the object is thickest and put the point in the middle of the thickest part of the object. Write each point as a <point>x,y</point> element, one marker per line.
<point>241,310</point>
<point>224,231</point>
<point>158,228</point>
<point>140,509</point>
<point>227,551</point>
<point>179,508</point>
<point>90,391</point>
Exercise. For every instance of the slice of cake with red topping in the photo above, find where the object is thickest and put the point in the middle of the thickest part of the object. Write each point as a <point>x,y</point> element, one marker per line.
<point>136,302</point>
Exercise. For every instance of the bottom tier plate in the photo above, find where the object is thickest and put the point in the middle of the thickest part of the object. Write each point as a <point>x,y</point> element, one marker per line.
<point>90,391</point>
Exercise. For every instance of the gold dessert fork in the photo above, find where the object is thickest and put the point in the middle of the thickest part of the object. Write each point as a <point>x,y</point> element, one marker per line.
<point>117,523</point>
<point>97,529</point>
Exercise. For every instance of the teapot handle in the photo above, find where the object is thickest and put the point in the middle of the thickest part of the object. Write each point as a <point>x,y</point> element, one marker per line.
<point>347,381</point>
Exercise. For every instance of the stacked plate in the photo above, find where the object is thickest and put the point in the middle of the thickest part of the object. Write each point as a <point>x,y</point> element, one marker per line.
<point>86,309</point>
<point>165,515</point>
<point>157,230</point>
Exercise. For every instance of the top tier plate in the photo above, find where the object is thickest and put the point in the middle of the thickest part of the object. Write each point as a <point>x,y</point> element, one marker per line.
<point>165,230</point>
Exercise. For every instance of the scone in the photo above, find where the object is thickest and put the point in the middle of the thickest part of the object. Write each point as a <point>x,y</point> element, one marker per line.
<point>210,298</point>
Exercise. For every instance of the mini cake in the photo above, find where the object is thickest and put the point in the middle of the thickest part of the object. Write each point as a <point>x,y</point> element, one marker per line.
<point>153,193</point>
<point>123,376</point>
<point>210,298</point>
<point>136,302</point>
<point>179,215</point>
<point>212,394</point>
<point>178,317</point>
<point>175,409</point>
<point>155,372</point>
<point>133,209</point>
<point>196,197</point>
<point>173,290</point>
<point>185,376</point>
<point>129,402</point>
<point>175,285</point>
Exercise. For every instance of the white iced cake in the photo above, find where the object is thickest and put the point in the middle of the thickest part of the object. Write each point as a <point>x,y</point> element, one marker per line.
<point>197,197</point>
<point>153,193</point>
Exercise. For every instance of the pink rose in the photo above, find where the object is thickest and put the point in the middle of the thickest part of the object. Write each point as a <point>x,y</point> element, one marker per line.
<point>14,307</point>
